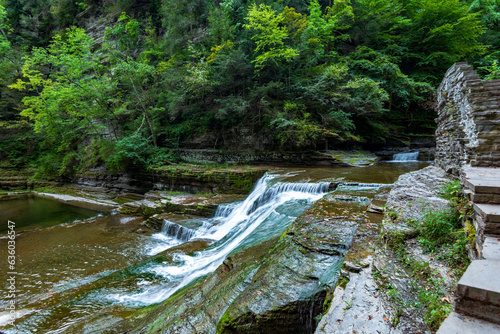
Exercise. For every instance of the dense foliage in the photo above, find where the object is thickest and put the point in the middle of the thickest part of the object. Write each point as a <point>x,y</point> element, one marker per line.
<point>127,83</point>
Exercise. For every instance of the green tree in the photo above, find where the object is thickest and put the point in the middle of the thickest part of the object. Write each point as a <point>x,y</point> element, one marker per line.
<point>59,104</point>
<point>323,30</point>
<point>270,36</point>
<point>183,21</point>
<point>221,24</point>
<point>440,33</point>
<point>379,25</point>
<point>4,28</point>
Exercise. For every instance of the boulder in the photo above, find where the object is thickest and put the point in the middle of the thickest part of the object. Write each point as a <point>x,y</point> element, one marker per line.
<point>414,195</point>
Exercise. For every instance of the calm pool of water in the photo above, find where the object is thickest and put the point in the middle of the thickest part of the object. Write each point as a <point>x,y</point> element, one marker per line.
<point>36,212</point>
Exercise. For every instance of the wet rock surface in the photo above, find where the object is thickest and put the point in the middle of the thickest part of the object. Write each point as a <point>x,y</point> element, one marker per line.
<point>155,222</point>
<point>276,287</point>
<point>357,307</point>
<point>358,304</point>
<point>197,307</point>
<point>280,286</point>
<point>204,206</point>
<point>81,201</point>
<point>290,288</point>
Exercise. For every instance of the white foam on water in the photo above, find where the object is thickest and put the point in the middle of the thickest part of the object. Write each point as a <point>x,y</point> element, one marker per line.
<point>236,224</point>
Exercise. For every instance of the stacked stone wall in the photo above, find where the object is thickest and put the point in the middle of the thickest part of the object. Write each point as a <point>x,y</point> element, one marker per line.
<point>468,120</point>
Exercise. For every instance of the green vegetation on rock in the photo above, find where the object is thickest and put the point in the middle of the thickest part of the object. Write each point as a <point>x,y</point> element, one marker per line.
<point>446,236</point>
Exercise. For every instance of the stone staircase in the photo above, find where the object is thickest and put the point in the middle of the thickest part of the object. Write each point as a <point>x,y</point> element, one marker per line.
<point>468,120</point>
<point>477,295</point>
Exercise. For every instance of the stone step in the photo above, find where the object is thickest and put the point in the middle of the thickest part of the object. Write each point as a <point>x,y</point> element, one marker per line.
<point>478,291</point>
<point>493,122</point>
<point>489,212</point>
<point>461,324</point>
<point>481,198</point>
<point>491,84</point>
<point>485,221</point>
<point>493,92</point>
<point>483,186</point>
<point>493,89</point>
<point>486,114</point>
<point>481,180</point>
<point>491,248</point>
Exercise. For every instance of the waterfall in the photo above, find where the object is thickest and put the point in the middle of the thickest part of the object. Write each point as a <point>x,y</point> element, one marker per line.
<point>224,210</point>
<point>235,223</point>
<point>177,231</point>
<point>279,188</point>
<point>405,157</point>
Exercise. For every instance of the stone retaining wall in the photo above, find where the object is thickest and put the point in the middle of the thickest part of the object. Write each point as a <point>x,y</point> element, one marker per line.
<point>468,120</point>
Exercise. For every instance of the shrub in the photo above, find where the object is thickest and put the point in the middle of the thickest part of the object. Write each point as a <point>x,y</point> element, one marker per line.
<point>437,228</point>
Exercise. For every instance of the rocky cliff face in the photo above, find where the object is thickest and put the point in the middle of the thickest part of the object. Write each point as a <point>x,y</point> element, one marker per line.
<point>188,178</point>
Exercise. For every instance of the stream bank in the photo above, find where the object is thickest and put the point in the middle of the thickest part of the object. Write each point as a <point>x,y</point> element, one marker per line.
<point>391,284</point>
<point>203,170</point>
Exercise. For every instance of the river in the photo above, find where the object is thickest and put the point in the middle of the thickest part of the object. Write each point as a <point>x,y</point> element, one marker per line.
<point>73,270</point>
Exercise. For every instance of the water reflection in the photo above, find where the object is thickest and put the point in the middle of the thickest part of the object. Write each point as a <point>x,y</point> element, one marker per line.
<point>36,212</point>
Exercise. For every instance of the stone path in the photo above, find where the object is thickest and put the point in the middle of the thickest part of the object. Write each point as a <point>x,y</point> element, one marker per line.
<point>477,295</point>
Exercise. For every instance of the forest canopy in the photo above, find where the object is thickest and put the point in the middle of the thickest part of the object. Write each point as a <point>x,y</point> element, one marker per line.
<point>126,84</point>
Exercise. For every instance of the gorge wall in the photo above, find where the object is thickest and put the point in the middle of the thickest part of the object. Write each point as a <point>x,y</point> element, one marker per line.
<point>468,120</point>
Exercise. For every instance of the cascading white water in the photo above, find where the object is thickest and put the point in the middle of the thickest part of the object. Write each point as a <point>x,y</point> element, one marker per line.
<point>177,231</point>
<point>405,157</point>
<point>278,188</point>
<point>236,224</point>
<point>224,210</point>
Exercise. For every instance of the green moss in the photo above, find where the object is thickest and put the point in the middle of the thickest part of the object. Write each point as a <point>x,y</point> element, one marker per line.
<point>225,180</point>
<point>331,294</point>
<point>224,322</point>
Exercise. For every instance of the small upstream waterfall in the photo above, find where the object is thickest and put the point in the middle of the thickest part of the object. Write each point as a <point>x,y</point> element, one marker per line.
<point>405,157</point>
<point>236,223</point>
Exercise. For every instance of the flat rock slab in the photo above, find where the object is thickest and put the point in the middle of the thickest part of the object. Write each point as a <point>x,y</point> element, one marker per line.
<point>489,212</point>
<point>460,324</point>
<point>357,309</point>
<point>482,179</point>
<point>289,289</point>
<point>189,199</point>
<point>81,201</point>
<point>414,195</point>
